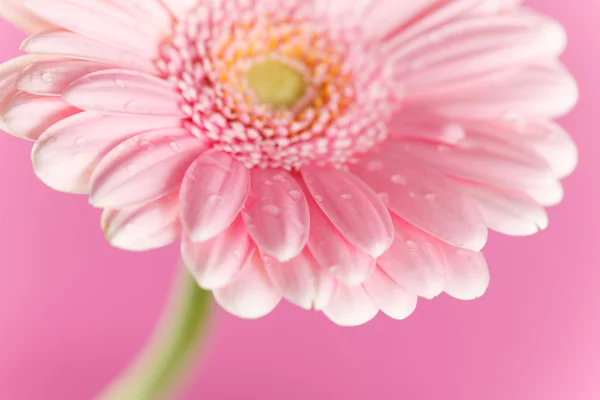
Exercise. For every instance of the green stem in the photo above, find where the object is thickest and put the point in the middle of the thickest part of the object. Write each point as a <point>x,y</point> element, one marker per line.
<point>159,368</point>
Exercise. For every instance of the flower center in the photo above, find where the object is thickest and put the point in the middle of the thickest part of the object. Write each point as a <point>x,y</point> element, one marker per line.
<point>276,83</point>
<point>275,89</point>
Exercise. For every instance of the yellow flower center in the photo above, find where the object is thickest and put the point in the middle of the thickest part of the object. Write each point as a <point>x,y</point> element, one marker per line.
<point>276,83</point>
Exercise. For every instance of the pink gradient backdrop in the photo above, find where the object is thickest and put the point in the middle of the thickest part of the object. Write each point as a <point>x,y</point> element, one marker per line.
<point>73,310</point>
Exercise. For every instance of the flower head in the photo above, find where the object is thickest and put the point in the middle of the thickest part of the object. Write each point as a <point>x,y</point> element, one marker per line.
<point>346,156</point>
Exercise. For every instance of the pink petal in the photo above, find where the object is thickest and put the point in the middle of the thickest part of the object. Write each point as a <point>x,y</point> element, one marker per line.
<point>22,18</point>
<point>415,261</point>
<point>301,280</point>
<point>180,8</point>
<point>350,306</point>
<point>392,299</point>
<point>424,198</point>
<point>352,207</point>
<point>69,44</point>
<point>545,138</point>
<point>216,262</point>
<point>67,153</point>
<point>495,6</point>
<point>548,196</point>
<point>251,294</point>
<point>557,148</point>
<point>52,77</point>
<point>508,212</point>
<point>214,191</point>
<point>547,91</point>
<point>468,50</point>
<point>153,12</point>
<point>499,163</point>
<point>124,92</point>
<point>28,116</point>
<point>143,228</point>
<point>276,214</point>
<point>9,72</point>
<point>333,252</point>
<point>144,168</point>
<point>91,19</point>
<point>467,275</point>
<point>427,15</point>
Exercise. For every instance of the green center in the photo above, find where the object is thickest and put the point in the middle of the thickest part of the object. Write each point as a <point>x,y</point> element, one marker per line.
<point>276,83</point>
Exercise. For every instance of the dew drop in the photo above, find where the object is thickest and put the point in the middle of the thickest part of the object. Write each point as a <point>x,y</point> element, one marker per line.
<point>430,196</point>
<point>120,84</point>
<point>319,198</point>
<point>47,77</point>
<point>375,166</point>
<point>133,169</point>
<point>214,199</point>
<point>399,179</point>
<point>412,245</point>
<point>81,142</point>
<point>272,209</point>
<point>269,183</point>
<point>347,196</point>
<point>296,195</point>
<point>279,178</point>
<point>385,197</point>
<point>175,147</point>
<point>453,133</point>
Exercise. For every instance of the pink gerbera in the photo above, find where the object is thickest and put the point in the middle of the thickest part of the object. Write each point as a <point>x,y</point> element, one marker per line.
<point>348,156</point>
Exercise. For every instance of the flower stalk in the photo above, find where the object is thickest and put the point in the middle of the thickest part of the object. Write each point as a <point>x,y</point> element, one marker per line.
<point>161,366</point>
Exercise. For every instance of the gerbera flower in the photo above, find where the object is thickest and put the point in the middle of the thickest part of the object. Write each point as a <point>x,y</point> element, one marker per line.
<point>348,156</point>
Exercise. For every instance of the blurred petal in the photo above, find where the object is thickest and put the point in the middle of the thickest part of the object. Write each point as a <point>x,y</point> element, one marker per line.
<point>508,212</point>
<point>143,228</point>
<point>216,262</point>
<point>301,280</point>
<point>391,298</point>
<point>467,275</point>
<point>350,306</point>
<point>251,294</point>
<point>415,261</point>
<point>16,13</point>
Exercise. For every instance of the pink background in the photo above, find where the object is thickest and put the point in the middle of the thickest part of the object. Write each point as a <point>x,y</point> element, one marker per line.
<point>73,310</point>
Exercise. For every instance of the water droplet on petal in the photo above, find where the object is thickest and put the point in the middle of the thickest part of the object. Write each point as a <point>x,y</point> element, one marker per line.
<point>175,147</point>
<point>272,209</point>
<point>279,178</point>
<point>430,196</point>
<point>399,179</point>
<point>412,245</point>
<point>214,200</point>
<point>318,198</point>
<point>47,77</point>
<point>269,183</point>
<point>133,169</point>
<point>120,84</point>
<point>81,142</point>
<point>385,197</point>
<point>296,195</point>
<point>347,196</point>
<point>375,166</point>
